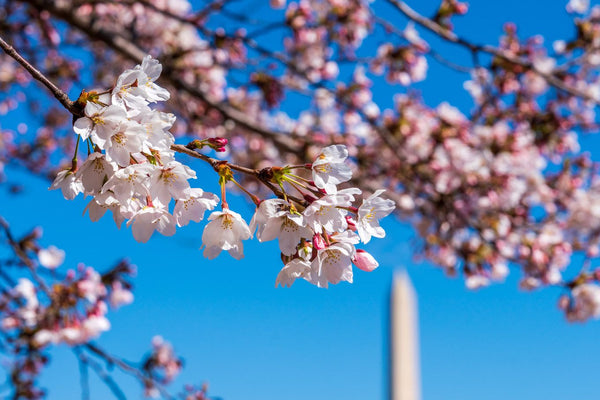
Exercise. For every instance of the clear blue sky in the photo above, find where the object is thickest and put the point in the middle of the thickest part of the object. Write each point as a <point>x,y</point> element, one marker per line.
<point>251,341</point>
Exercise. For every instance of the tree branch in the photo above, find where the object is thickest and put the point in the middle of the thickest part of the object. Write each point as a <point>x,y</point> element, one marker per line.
<point>36,74</point>
<point>452,37</point>
<point>131,51</point>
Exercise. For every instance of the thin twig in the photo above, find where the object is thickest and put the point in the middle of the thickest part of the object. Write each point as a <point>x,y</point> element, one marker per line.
<point>102,374</point>
<point>84,378</point>
<point>127,368</point>
<point>452,37</point>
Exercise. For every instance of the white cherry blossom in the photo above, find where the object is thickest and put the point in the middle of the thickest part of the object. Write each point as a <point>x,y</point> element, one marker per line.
<point>266,210</point>
<point>102,202</point>
<point>171,181</point>
<point>156,126</point>
<point>68,183</point>
<point>119,296</point>
<point>151,69</point>
<point>296,268</point>
<point>585,304</point>
<point>333,264</point>
<point>125,94</point>
<point>329,169</point>
<point>274,219</point>
<point>151,218</point>
<point>99,122</point>
<point>93,327</point>
<point>578,6</point>
<point>225,231</point>
<point>51,257</point>
<point>129,182</point>
<point>26,290</point>
<point>45,336</point>
<point>127,139</point>
<point>94,172</point>
<point>194,207</point>
<point>327,213</point>
<point>289,228</point>
<point>369,213</point>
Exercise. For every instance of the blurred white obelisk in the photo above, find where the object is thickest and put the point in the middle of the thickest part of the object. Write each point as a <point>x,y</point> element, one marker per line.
<point>405,381</point>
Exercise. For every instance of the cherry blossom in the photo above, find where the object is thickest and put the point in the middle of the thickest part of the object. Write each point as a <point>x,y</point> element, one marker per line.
<point>275,220</point>
<point>193,207</point>
<point>68,183</point>
<point>585,304</point>
<point>500,185</point>
<point>51,257</point>
<point>149,219</point>
<point>100,122</point>
<point>332,265</point>
<point>293,270</point>
<point>329,212</point>
<point>370,212</point>
<point>171,181</point>
<point>94,172</point>
<point>329,168</point>
<point>225,231</point>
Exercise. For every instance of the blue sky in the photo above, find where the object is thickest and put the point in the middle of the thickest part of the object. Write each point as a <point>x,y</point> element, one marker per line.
<point>249,340</point>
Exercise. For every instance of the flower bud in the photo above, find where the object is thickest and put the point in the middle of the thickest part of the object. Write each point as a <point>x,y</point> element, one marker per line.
<point>217,143</point>
<point>319,242</point>
<point>364,261</point>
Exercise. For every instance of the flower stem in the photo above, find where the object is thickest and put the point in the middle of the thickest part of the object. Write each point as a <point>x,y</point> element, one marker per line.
<point>74,160</point>
<point>255,199</point>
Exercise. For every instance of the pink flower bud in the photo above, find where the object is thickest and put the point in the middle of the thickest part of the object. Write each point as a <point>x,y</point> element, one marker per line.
<point>364,261</point>
<point>319,242</point>
<point>461,8</point>
<point>217,142</point>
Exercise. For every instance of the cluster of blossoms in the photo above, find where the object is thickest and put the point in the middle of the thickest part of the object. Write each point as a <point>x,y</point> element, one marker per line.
<point>405,64</point>
<point>161,365</point>
<point>133,173</point>
<point>318,243</point>
<point>72,311</point>
<point>317,236</point>
<point>136,176</point>
<point>583,304</point>
<point>480,189</point>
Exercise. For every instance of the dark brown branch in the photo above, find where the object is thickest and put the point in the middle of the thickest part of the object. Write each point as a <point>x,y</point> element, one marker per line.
<point>36,74</point>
